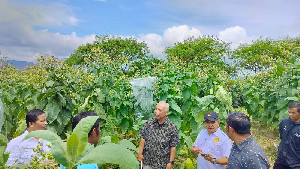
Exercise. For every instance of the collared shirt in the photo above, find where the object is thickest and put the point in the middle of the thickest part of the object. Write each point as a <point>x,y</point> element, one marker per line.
<point>22,153</point>
<point>289,147</point>
<point>217,144</point>
<point>247,155</point>
<point>15,141</point>
<point>159,138</point>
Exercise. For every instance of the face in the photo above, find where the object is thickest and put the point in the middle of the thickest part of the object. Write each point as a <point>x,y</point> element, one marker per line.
<point>40,124</point>
<point>294,114</point>
<point>160,112</point>
<point>211,126</point>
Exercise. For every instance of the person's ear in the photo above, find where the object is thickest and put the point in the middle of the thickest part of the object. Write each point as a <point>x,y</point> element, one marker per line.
<point>31,124</point>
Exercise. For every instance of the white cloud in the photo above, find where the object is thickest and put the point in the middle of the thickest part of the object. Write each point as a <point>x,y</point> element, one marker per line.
<point>20,41</point>
<point>179,34</point>
<point>235,35</point>
<point>157,43</point>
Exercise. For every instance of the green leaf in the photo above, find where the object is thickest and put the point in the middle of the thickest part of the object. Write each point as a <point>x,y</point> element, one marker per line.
<point>50,83</point>
<point>174,106</point>
<point>187,140</point>
<point>111,154</point>
<point>100,96</point>
<point>124,124</point>
<point>62,99</point>
<point>292,99</point>
<point>82,107</point>
<point>72,146</point>
<point>205,101</point>
<point>186,94</point>
<point>58,149</point>
<point>175,119</point>
<point>82,129</point>
<point>3,139</point>
<point>52,111</point>
<point>128,144</point>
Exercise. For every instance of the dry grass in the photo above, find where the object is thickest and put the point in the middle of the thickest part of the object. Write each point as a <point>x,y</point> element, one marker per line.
<point>266,138</point>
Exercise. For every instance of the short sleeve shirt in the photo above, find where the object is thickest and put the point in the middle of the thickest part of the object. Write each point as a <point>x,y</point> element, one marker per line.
<point>217,144</point>
<point>159,138</point>
<point>247,155</point>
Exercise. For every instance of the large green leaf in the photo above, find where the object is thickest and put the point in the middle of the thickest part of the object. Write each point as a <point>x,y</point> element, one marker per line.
<point>128,144</point>
<point>58,149</point>
<point>52,111</point>
<point>72,145</point>
<point>82,129</point>
<point>111,154</point>
<point>174,106</point>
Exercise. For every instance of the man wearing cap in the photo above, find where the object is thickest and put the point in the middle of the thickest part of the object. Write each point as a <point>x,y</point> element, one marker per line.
<point>212,145</point>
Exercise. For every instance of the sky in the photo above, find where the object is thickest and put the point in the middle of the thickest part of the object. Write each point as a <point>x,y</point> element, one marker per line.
<point>31,28</point>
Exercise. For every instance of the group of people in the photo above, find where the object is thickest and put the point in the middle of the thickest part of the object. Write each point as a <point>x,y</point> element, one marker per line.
<point>22,151</point>
<point>213,147</point>
<point>159,138</point>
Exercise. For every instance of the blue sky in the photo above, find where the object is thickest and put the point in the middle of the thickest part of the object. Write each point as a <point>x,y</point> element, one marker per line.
<point>30,28</point>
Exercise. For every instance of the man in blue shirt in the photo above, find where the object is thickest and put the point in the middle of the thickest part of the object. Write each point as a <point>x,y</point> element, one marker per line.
<point>289,147</point>
<point>212,145</point>
<point>245,152</point>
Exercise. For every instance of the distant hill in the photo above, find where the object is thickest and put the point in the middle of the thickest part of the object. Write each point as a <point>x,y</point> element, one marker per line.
<point>19,64</point>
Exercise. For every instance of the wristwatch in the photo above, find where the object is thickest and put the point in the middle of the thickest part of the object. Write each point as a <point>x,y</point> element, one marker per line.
<point>172,162</point>
<point>215,161</point>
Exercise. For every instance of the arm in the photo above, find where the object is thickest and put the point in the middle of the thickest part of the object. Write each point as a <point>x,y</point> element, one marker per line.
<point>141,150</point>
<point>221,161</point>
<point>172,157</point>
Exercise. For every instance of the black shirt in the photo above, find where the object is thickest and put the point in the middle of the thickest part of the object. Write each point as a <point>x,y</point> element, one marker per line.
<point>289,147</point>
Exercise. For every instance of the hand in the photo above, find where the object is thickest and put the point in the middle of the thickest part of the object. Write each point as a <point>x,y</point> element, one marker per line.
<point>141,157</point>
<point>195,150</point>
<point>209,158</point>
<point>169,166</point>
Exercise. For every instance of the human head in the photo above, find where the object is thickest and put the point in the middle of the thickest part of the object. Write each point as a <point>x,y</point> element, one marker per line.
<point>36,120</point>
<point>239,122</point>
<point>211,122</point>
<point>294,111</point>
<point>94,133</point>
<point>161,111</point>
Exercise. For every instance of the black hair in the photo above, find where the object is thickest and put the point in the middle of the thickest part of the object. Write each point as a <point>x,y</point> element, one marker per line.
<point>239,122</point>
<point>295,105</point>
<point>82,115</point>
<point>32,116</point>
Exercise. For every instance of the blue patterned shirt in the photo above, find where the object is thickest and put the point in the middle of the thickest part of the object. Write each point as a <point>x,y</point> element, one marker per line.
<point>247,155</point>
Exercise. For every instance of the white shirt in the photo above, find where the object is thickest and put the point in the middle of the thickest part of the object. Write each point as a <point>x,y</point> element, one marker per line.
<point>15,141</point>
<point>22,153</point>
<point>217,144</point>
